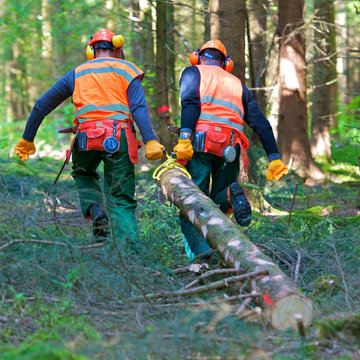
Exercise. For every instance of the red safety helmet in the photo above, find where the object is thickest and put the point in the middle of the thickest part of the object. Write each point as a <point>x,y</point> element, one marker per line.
<point>103,35</point>
<point>213,44</point>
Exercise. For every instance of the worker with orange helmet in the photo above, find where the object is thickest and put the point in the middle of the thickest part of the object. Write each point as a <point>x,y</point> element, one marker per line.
<point>214,106</point>
<point>108,96</point>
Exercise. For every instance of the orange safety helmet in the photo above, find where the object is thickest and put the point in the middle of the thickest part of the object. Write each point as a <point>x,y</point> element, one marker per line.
<point>212,44</point>
<point>116,41</point>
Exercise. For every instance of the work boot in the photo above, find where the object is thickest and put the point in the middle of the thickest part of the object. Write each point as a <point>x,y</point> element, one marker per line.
<point>99,220</point>
<point>241,206</point>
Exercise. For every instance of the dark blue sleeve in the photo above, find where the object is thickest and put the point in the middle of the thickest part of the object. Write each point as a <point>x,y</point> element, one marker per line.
<point>259,124</point>
<point>190,98</point>
<point>139,110</point>
<point>50,100</point>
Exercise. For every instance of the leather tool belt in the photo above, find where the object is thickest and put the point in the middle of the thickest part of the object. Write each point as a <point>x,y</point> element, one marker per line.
<point>102,135</point>
<point>214,139</point>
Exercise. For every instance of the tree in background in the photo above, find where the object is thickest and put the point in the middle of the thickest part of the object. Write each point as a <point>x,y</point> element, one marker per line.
<point>256,29</point>
<point>293,140</point>
<point>227,23</point>
<point>323,108</point>
<point>161,75</point>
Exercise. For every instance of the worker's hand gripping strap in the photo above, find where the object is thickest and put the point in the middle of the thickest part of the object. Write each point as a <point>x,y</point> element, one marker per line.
<point>168,164</point>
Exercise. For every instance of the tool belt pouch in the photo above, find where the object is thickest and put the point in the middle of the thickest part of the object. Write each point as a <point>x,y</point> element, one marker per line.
<point>92,138</point>
<point>215,142</point>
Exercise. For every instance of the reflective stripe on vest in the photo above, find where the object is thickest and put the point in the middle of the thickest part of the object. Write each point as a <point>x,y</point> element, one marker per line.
<point>112,107</point>
<point>212,100</point>
<point>220,97</point>
<point>220,120</point>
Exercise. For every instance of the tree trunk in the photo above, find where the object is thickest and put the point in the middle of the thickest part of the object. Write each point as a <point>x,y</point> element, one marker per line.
<point>294,144</point>
<point>173,92</point>
<point>281,300</point>
<point>227,24</point>
<point>257,44</point>
<point>324,79</point>
<point>161,75</point>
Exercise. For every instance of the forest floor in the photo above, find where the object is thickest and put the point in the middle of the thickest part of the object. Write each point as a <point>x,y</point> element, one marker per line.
<point>59,301</point>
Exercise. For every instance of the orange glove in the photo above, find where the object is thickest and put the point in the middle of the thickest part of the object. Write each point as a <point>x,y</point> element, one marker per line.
<point>24,148</point>
<point>184,150</point>
<point>276,170</point>
<point>154,150</point>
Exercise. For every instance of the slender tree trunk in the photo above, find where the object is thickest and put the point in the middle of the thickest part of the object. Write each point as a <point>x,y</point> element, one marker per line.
<point>134,17</point>
<point>173,91</point>
<point>324,79</point>
<point>294,144</point>
<point>161,75</point>
<point>206,20</point>
<point>342,63</point>
<point>281,300</point>
<point>257,44</point>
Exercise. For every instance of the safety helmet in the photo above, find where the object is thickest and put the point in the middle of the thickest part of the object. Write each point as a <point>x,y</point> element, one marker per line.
<point>103,36</point>
<point>212,44</point>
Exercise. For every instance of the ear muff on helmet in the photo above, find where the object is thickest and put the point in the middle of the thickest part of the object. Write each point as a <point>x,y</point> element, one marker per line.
<point>195,57</point>
<point>228,64</point>
<point>90,53</point>
<point>117,41</point>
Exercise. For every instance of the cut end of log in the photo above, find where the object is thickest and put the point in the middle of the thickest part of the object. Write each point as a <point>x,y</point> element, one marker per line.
<point>286,312</point>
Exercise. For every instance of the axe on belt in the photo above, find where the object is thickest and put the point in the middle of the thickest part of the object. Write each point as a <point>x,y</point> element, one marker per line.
<point>70,129</point>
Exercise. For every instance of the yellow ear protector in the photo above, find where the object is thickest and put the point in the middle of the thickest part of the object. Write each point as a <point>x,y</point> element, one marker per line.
<point>117,41</point>
<point>195,59</point>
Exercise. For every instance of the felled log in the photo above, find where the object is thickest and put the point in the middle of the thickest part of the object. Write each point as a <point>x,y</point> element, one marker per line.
<point>282,302</point>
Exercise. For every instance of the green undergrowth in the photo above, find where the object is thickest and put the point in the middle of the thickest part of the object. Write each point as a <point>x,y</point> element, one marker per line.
<point>60,302</point>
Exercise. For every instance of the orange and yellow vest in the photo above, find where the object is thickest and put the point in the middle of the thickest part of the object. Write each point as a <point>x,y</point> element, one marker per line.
<point>222,109</point>
<point>100,94</point>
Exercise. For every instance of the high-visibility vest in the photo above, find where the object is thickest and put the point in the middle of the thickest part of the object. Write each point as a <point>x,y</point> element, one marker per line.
<point>100,94</point>
<point>222,109</point>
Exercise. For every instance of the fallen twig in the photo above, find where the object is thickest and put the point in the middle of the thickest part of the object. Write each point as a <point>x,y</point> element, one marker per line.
<point>201,289</point>
<point>292,202</point>
<point>243,306</point>
<point>211,302</point>
<point>297,267</point>
<point>47,242</point>
<point>210,273</point>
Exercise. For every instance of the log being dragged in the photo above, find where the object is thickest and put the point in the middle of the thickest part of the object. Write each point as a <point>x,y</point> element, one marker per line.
<point>283,303</point>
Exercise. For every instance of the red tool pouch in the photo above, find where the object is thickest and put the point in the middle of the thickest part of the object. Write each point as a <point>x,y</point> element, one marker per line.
<point>215,142</point>
<point>92,134</point>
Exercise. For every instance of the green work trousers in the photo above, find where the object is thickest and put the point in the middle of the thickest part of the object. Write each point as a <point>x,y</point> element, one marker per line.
<point>202,167</point>
<point>119,188</point>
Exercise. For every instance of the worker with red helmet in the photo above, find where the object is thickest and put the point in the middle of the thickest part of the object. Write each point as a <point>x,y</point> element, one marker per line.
<point>108,96</point>
<point>214,106</point>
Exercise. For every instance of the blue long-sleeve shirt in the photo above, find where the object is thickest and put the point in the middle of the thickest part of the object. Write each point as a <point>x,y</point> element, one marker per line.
<point>191,108</point>
<point>64,88</point>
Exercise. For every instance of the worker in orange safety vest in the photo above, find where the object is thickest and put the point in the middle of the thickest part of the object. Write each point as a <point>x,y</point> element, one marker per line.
<point>214,106</point>
<point>108,96</point>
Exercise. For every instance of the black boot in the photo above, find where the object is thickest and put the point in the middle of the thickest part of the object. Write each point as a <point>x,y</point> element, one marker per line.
<point>99,220</point>
<point>241,206</point>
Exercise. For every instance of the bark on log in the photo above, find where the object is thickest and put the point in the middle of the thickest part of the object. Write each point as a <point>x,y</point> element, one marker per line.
<point>281,300</point>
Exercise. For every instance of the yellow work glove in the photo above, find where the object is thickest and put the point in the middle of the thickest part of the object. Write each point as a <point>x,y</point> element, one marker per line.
<point>154,150</point>
<point>184,150</point>
<point>24,148</point>
<point>276,170</point>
